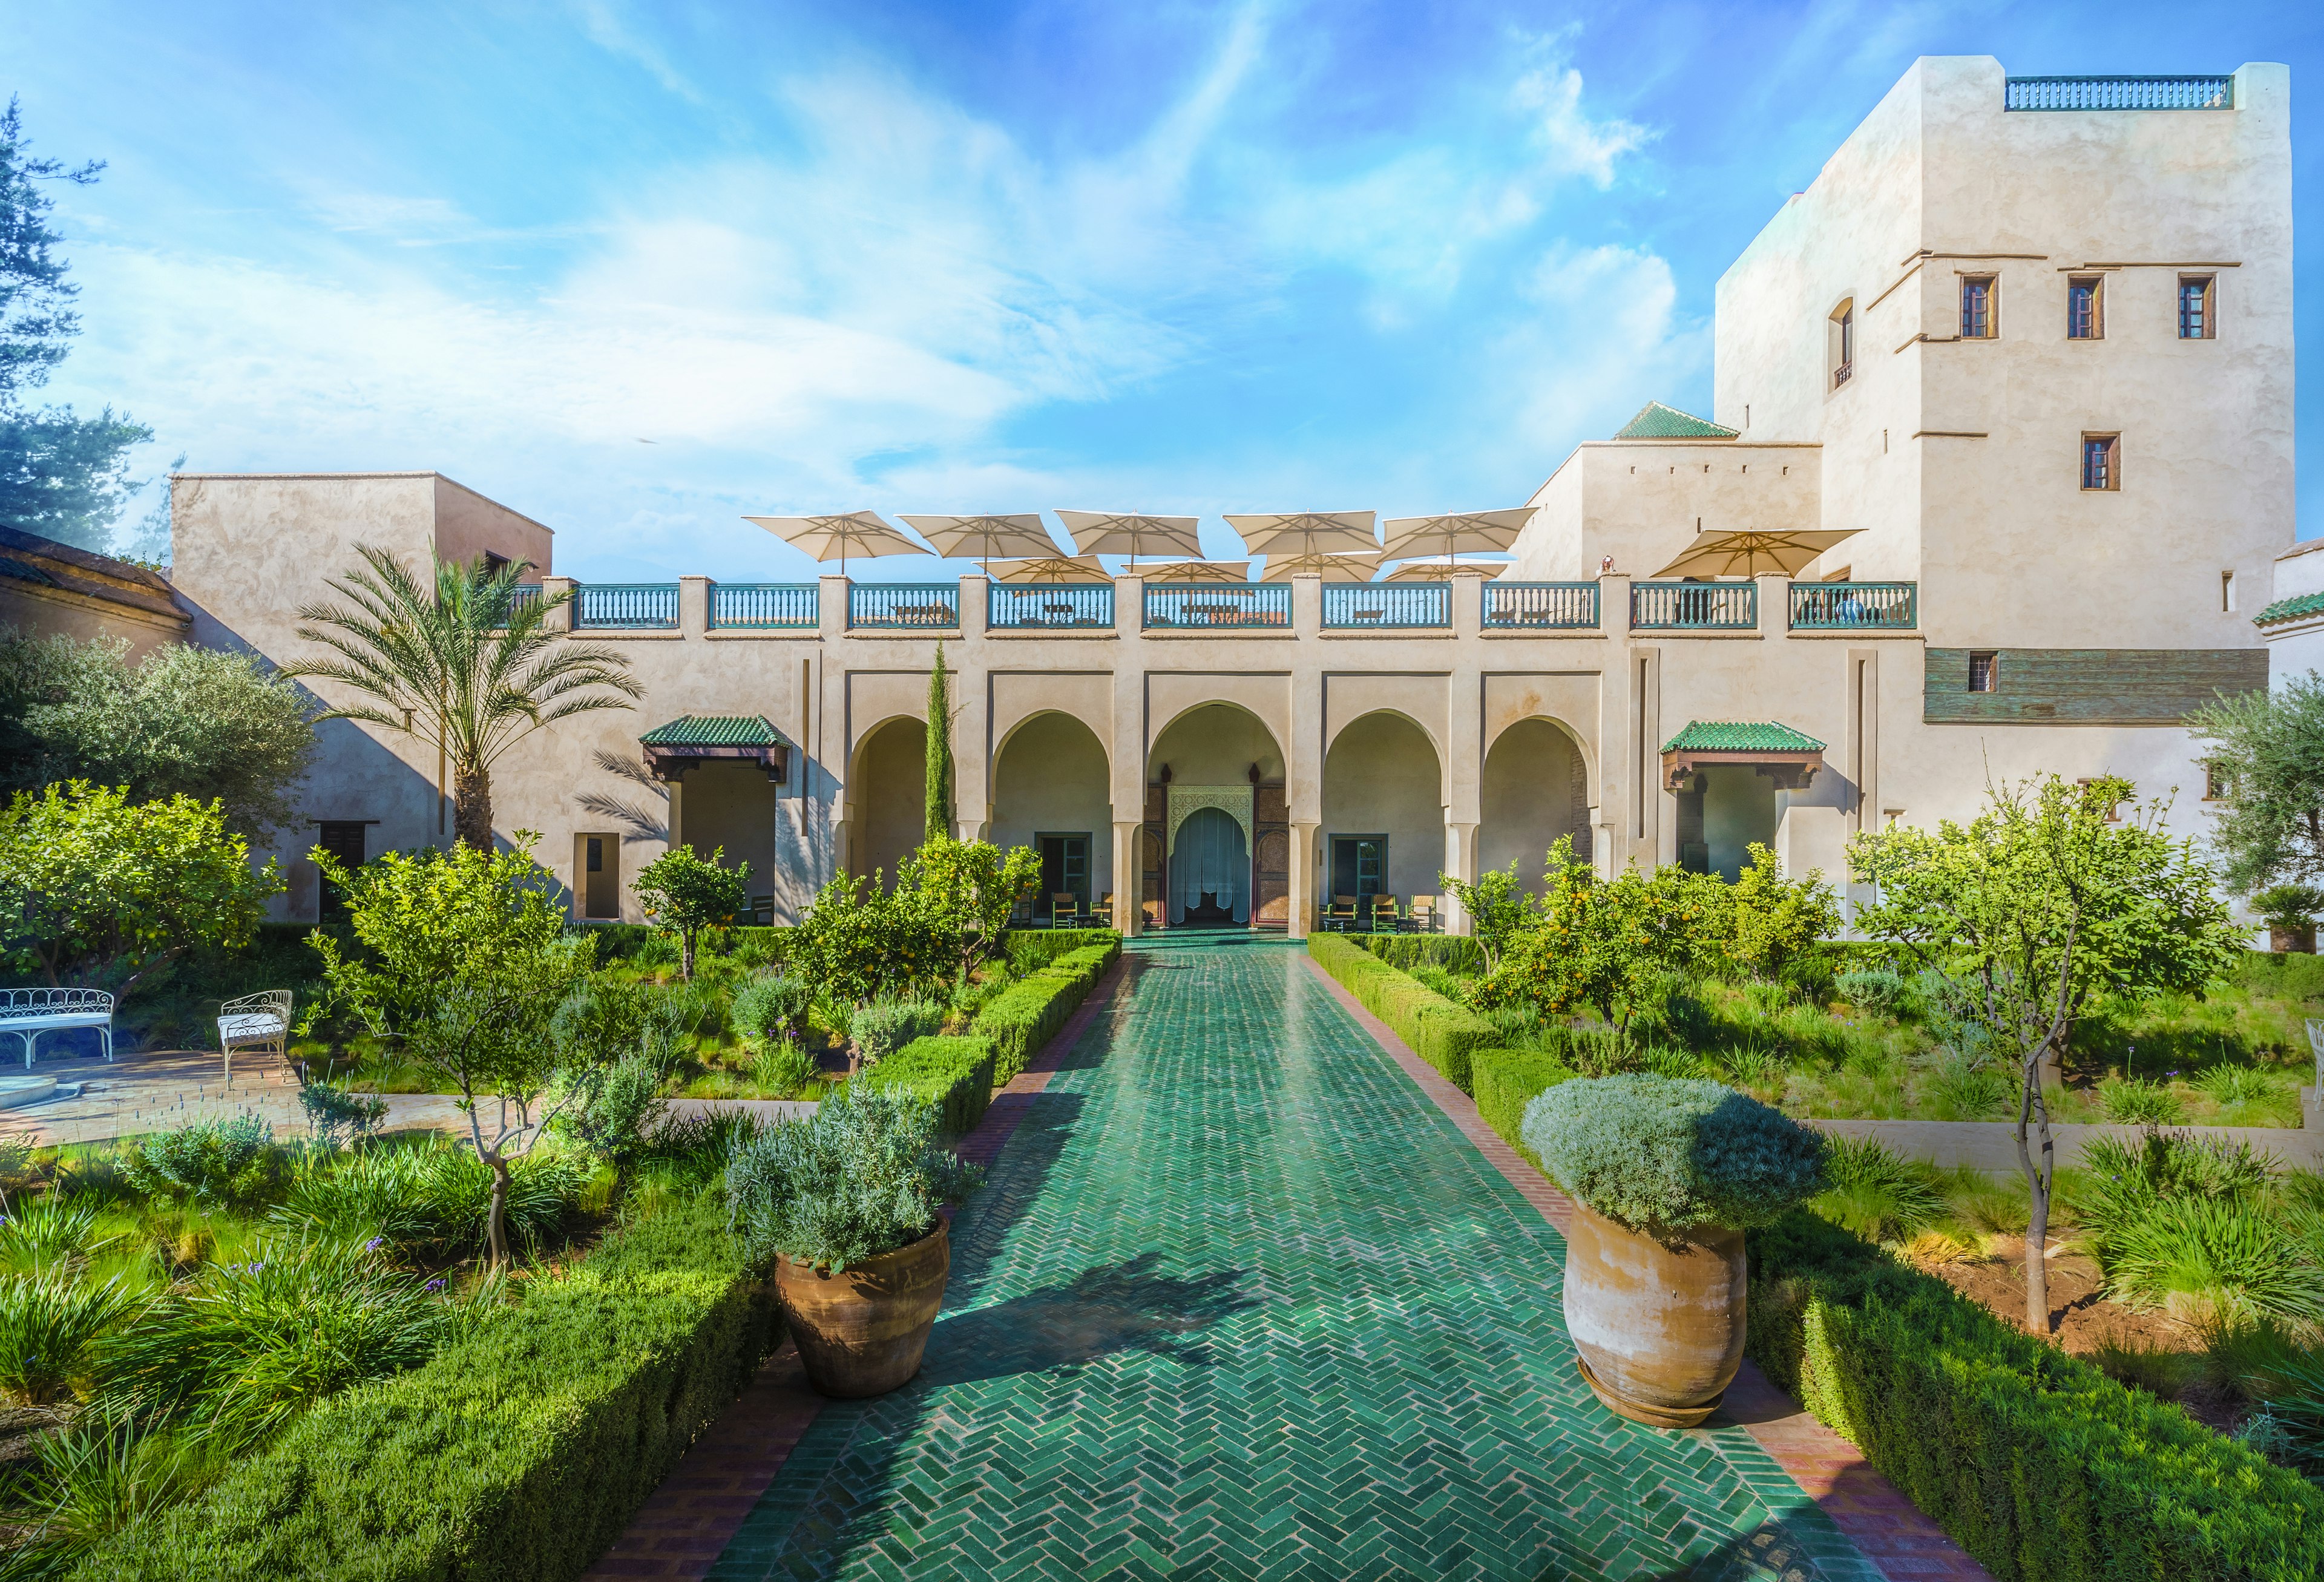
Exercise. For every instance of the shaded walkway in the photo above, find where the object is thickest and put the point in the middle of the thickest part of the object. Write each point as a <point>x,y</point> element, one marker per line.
<point>1240,1301</point>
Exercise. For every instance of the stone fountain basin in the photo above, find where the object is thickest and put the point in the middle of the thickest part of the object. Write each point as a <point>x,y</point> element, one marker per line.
<point>17,1091</point>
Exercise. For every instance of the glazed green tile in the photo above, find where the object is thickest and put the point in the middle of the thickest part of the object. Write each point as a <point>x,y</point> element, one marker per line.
<point>1239,1301</point>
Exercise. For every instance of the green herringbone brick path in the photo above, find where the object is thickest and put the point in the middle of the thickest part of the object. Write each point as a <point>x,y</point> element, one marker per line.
<point>1239,1301</point>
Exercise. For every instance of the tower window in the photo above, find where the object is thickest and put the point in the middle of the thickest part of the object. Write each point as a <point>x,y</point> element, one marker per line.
<point>2101,461</point>
<point>2085,307</point>
<point>1840,344</point>
<point>2198,321</point>
<point>1977,320</point>
<point>1981,668</point>
<point>2227,592</point>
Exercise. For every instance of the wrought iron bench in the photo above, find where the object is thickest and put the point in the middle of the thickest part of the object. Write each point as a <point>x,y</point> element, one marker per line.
<point>256,1021</point>
<point>27,1013</point>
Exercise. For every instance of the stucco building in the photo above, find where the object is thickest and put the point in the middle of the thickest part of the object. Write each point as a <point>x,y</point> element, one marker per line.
<point>2028,343</point>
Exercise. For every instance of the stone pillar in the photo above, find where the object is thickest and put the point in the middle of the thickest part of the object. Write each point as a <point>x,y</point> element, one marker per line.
<point>1129,917</point>
<point>831,606</point>
<point>693,605</point>
<point>1303,875</point>
<point>561,619</point>
<point>676,811</point>
<point>1460,862</point>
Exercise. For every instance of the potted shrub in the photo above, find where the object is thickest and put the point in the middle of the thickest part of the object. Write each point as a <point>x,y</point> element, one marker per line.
<point>847,1204</point>
<point>1666,1175</point>
<point>2289,913</point>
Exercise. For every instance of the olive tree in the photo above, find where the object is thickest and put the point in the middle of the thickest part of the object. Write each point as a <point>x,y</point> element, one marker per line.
<point>684,894</point>
<point>2054,893</point>
<point>2265,750</point>
<point>465,961</point>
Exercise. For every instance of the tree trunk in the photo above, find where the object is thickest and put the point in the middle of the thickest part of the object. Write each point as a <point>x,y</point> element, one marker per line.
<point>686,954</point>
<point>496,1220</point>
<point>472,808</point>
<point>2038,1179</point>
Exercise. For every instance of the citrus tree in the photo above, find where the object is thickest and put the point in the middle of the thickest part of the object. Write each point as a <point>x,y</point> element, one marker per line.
<point>861,940</point>
<point>98,889</point>
<point>686,894</point>
<point>1777,921</point>
<point>2054,893</point>
<point>465,961</point>
<point>977,886</point>
<point>1499,908</point>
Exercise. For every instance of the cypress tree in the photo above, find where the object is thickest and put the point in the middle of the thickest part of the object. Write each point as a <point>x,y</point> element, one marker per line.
<point>938,801</point>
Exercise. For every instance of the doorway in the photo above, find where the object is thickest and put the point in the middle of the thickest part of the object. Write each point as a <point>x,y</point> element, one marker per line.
<point>601,876</point>
<point>1358,868</point>
<point>1065,870</point>
<point>1210,870</point>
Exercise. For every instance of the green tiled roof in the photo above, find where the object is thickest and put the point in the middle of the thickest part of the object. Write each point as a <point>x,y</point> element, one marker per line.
<point>1657,421</point>
<point>715,731</point>
<point>2285,610</point>
<point>1740,736</point>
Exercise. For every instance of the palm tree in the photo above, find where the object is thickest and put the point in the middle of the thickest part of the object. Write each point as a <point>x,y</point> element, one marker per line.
<point>470,667</point>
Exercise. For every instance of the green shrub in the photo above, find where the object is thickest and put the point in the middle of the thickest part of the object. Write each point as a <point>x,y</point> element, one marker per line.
<point>862,1176</point>
<point>1029,1012</point>
<point>2037,1464</point>
<point>1651,1152</point>
<point>211,1161</point>
<point>1030,949</point>
<point>2293,974</point>
<point>885,1027</point>
<point>781,1069</point>
<point>1876,1192</point>
<point>954,1074</point>
<point>47,1231</point>
<point>1438,1030</point>
<point>521,1452</point>
<point>1876,988</point>
<point>771,1007</point>
<point>2140,1102</point>
<point>50,1321</point>
<point>339,1117</point>
<point>1457,953</point>
<point>1507,1080</point>
<point>432,1201</point>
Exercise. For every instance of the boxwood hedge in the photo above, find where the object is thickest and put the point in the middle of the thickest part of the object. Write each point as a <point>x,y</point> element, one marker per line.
<point>955,1073</point>
<point>1024,1016</point>
<point>1443,1033</point>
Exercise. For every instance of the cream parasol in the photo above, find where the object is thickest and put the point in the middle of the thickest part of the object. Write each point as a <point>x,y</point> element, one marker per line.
<point>1197,571</point>
<point>1307,532</point>
<point>859,533</point>
<point>1454,532</point>
<point>985,538</point>
<point>1752,553</point>
<point>1055,568</point>
<point>1102,532</point>
<point>1356,568</point>
<point>1438,567</point>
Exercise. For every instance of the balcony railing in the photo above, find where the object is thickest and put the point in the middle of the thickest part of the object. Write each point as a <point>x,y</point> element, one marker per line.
<point>624,606</point>
<point>764,606</point>
<point>2119,93</point>
<point>906,606</point>
<point>1049,606</point>
<point>1386,606</point>
<point>1218,605</point>
<point>1540,606</point>
<point>1854,606</point>
<point>1694,606</point>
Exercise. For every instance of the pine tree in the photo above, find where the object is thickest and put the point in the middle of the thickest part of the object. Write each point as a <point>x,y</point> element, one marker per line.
<point>940,807</point>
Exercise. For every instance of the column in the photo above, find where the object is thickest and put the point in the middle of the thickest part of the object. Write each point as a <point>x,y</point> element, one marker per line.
<point>1303,875</point>
<point>694,606</point>
<point>1128,915</point>
<point>1460,862</point>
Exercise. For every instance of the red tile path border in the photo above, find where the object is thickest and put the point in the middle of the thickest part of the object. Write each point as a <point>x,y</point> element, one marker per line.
<point>686,1523</point>
<point>1888,1529</point>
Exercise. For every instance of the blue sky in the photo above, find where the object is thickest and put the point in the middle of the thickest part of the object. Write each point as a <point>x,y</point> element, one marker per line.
<point>1172,257</point>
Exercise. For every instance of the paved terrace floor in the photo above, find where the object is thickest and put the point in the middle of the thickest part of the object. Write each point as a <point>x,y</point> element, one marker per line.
<point>1247,1296</point>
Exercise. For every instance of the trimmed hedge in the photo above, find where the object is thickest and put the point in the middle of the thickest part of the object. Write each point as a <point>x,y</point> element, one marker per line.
<point>1030,949</point>
<point>955,1073</point>
<point>1443,1033</point>
<point>1507,1080</point>
<point>1455,952</point>
<point>1027,1013</point>
<point>2293,973</point>
<point>520,1453</point>
<point>2036,1463</point>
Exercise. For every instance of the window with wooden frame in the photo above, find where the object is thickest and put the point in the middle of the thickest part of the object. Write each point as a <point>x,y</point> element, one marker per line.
<point>1840,343</point>
<point>2217,787</point>
<point>2101,463</point>
<point>2197,307</point>
<point>1982,668</point>
<point>2086,308</point>
<point>1979,298</point>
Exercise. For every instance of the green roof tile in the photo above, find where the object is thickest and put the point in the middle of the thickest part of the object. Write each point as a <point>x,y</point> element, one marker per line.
<point>1657,421</point>
<point>2285,610</point>
<point>715,731</point>
<point>1740,736</point>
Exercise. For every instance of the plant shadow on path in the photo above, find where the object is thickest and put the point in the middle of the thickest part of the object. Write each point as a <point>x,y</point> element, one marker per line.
<point>1111,1308</point>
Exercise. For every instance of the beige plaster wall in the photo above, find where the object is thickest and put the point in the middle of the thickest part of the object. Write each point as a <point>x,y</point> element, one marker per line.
<point>1215,744</point>
<point>51,612</point>
<point>1381,776</point>
<point>1052,779</point>
<point>1643,502</point>
<point>1535,789</point>
<point>887,809</point>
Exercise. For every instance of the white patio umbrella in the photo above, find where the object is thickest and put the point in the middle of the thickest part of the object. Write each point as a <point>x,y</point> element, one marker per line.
<point>1454,532</point>
<point>1751,552</point>
<point>1197,571</point>
<point>1055,568</point>
<point>1307,532</point>
<point>1438,567</point>
<point>1345,567</point>
<point>860,533</point>
<point>1105,532</point>
<point>985,537</point>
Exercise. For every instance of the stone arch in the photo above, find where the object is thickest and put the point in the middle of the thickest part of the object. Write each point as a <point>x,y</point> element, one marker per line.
<point>1564,728</point>
<point>1533,787</point>
<point>887,788</point>
<point>1384,775</point>
<point>1051,777</point>
<point>1210,748</point>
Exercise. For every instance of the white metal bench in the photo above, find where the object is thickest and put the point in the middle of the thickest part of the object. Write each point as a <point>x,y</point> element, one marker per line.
<point>256,1021</point>
<point>27,1013</point>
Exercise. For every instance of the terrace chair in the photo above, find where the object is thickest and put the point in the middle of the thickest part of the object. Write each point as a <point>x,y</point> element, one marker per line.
<point>1386,918</point>
<point>1341,916</point>
<point>1065,910</point>
<point>1102,915</point>
<point>762,909</point>
<point>1422,918</point>
<point>256,1021</point>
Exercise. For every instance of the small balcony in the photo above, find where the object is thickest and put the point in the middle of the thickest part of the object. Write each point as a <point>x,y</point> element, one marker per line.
<point>2119,93</point>
<point>625,607</point>
<point>1540,606</point>
<point>902,606</point>
<point>1218,606</point>
<point>764,606</point>
<point>1050,607</point>
<point>1855,606</point>
<point>1694,606</point>
<point>1386,606</point>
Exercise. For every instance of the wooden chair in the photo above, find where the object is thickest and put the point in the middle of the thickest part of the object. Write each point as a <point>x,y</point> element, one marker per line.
<point>1341,916</point>
<point>1386,915</point>
<point>1422,919</point>
<point>1065,910</point>
<point>1102,915</point>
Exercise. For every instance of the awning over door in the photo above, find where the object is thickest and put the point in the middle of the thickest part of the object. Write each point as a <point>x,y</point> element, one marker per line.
<point>1790,757</point>
<point>673,748</point>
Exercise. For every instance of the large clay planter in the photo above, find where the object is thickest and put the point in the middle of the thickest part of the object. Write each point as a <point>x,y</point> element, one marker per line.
<point>1659,1324</point>
<point>2300,939</point>
<point>861,1332</point>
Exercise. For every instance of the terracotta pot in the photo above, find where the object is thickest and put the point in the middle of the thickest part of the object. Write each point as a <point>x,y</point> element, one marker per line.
<point>861,1332</point>
<point>1659,1324</point>
<point>2300,939</point>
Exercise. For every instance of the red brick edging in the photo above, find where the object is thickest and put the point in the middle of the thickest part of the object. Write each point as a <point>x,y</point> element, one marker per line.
<point>686,1523</point>
<point>1886,1528</point>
